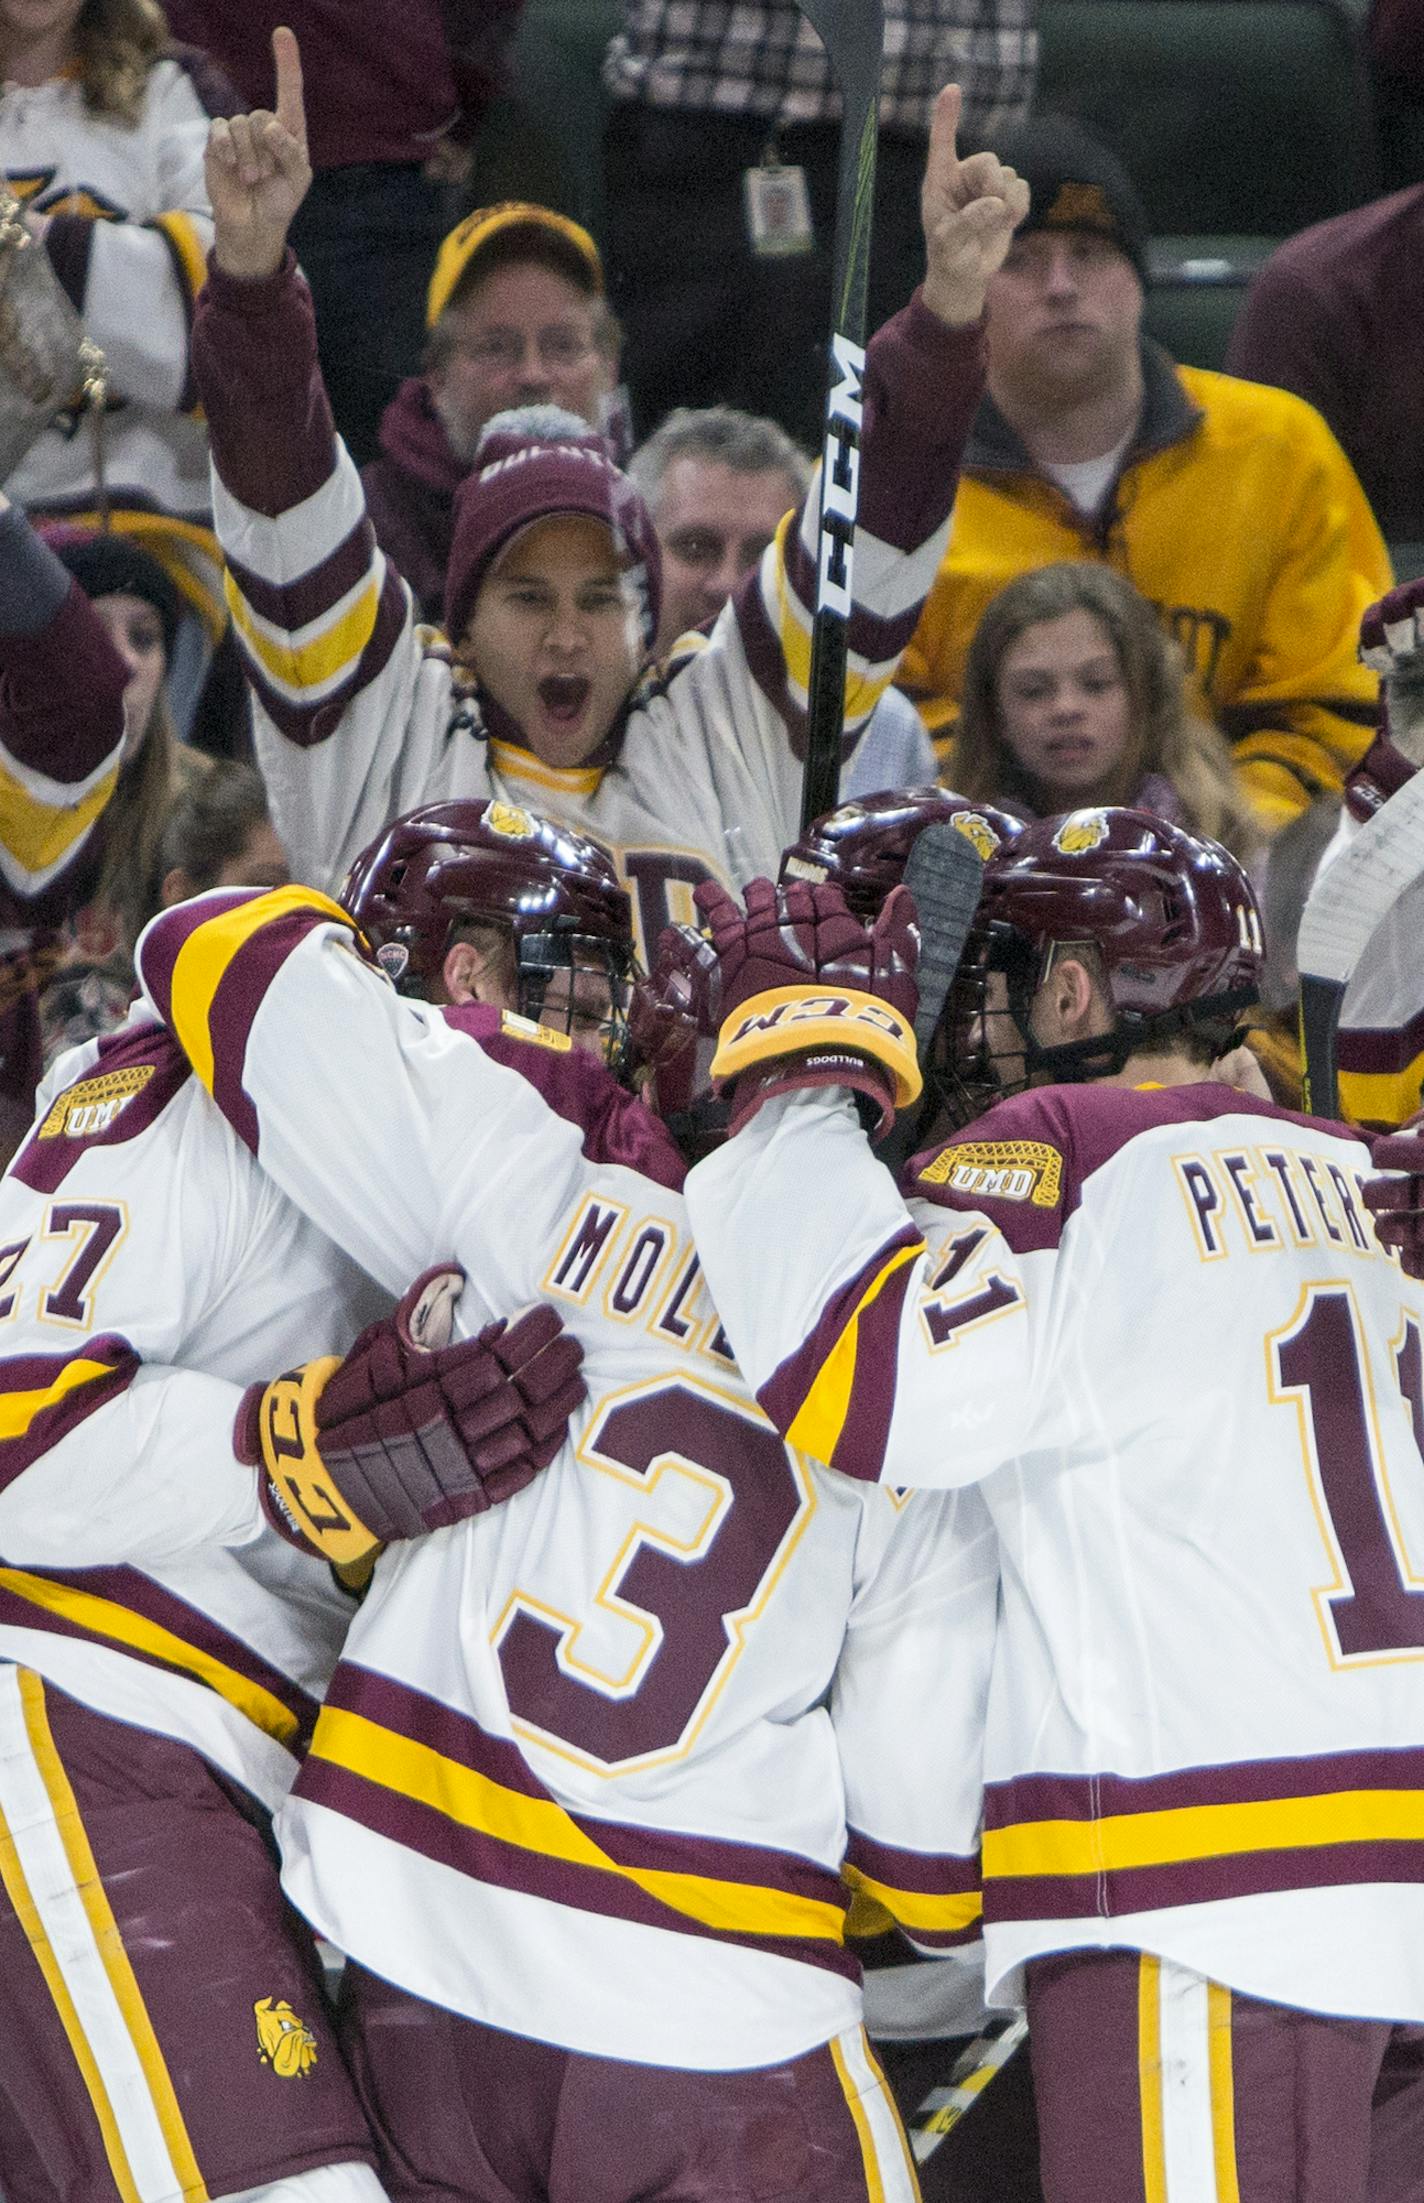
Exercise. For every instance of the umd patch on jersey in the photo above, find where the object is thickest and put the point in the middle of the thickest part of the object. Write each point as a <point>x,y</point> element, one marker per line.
<point>977,832</point>
<point>1000,1170</point>
<point>1080,832</point>
<point>507,819</point>
<point>91,1106</point>
<point>284,2041</point>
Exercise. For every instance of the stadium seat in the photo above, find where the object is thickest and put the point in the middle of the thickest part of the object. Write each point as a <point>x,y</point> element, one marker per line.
<point>1232,116</point>
<point>544,140</point>
<point>1194,292</point>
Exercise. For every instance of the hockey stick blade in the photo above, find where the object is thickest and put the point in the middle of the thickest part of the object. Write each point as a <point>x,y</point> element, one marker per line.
<point>1345,909</point>
<point>853,34</point>
<point>969,2076</point>
<point>944,873</point>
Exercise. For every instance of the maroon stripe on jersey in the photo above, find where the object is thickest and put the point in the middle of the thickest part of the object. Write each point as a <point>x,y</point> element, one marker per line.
<point>307,724</point>
<point>138,1594</point>
<point>920,1874</point>
<point>38,1373</point>
<point>784,1394</point>
<point>1198,1881</point>
<point>1060,1797</point>
<point>1367,1049</point>
<point>428,1721</point>
<point>295,604</point>
<point>873,636</point>
<point>254,359</point>
<point>164,938</point>
<point>923,384</point>
<point>482,1858</point>
<point>46,1160</point>
<point>865,1433</point>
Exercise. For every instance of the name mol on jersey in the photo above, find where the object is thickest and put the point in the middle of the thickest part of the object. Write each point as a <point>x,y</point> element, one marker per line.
<point>1257,1199</point>
<point>645,1270</point>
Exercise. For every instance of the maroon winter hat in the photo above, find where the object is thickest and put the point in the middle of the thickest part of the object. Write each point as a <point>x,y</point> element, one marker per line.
<point>533,464</point>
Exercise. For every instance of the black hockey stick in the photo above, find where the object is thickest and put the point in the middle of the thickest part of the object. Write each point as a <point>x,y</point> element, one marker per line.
<point>943,873</point>
<point>853,34</point>
<point>1345,908</point>
<point>969,2076</point>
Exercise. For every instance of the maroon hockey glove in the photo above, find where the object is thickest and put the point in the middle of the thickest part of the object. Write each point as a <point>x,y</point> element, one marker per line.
<point>808,996</point>
<point>1397,1202</point>
<point>406,1433</point>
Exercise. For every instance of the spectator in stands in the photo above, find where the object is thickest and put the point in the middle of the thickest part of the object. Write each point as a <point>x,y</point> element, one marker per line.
<point>1073,695</point>
<point>706,100</point>
<point>85,764</point>
<point>1231,507</point>
<point>718,484</point>
<point>404,84</point>
<point>219,833</point>
<point>516,316</point>
<point>1334,316</point>
<point>102,130</point>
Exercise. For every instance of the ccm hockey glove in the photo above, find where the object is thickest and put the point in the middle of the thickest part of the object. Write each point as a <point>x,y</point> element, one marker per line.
<point>1397,1202</point>
<point>808,996</point>
<point>407,1433</point>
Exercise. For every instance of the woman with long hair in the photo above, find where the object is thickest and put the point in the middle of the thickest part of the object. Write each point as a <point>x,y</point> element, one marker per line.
<point>1074,695</point>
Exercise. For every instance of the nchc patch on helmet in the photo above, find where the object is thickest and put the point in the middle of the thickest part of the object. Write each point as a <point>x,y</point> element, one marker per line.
<point>1171,919</point>
<point>553,894</point>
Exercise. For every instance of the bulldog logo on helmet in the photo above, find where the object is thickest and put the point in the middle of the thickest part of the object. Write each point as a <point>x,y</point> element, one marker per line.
<point>1080,832</point>
<point>507,819</point>
<point>977,832</point>
<point>284,2041</point>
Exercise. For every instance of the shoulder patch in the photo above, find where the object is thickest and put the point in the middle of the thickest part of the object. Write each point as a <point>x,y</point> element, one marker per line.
<point>91,1106</point>
<point>515,1027</point>
<point>1001,1170</point>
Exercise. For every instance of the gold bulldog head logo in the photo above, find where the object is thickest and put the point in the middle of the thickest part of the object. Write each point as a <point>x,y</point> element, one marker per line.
<point>509,820</point>
<point>284,2042</point>
<point>1080,832</point>
<point>977,831</point>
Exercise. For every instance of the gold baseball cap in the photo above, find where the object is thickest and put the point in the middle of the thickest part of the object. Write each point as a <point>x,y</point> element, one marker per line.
<point>555,238</point>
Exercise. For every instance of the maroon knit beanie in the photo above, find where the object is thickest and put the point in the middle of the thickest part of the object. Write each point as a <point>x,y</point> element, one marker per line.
<point>531,464</point>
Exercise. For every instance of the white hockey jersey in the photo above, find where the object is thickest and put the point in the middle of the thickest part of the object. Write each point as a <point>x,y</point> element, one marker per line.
<point>357,714</point>
<point>138,1574</point>
<point>1159,1327</point>
<point>130,231</point>
<point>593,1762</point>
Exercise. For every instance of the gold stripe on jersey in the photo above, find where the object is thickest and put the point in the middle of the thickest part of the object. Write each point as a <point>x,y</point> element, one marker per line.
<point>541,1825</point>
<point>202,963</point>
<point>38,834</point>
<point>794,631</point>
<point>19,1410</point>
<point>17,1889</point>
<point>182,234</point>
<point>520,764</point>
<point>295,668</point>
<point>109,1941</point>
<point>106,1618</point>
<point>1149,2080</point>
<point>1223,2092</point>
<point>1175,1834</point>
<point>821,1416</point>
<point>913,1908</point>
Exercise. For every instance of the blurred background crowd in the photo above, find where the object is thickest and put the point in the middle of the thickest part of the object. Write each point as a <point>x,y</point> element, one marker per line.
<point>1200,454</point>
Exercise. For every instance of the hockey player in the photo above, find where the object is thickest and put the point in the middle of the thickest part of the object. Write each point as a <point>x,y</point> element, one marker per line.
<point>605,1757</point>
<point>168,1622</point>
<point>552,590</point>
<point>1151,1318</point>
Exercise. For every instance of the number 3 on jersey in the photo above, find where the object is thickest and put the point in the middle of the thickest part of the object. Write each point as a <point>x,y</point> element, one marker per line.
<point>1319,1363</point>
<point>716,1507</point>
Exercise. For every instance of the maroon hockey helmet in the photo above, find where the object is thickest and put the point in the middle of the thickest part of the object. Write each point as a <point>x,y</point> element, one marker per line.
<point>863,847</point>
<point>553,892</point>
<point>1171,917</point>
